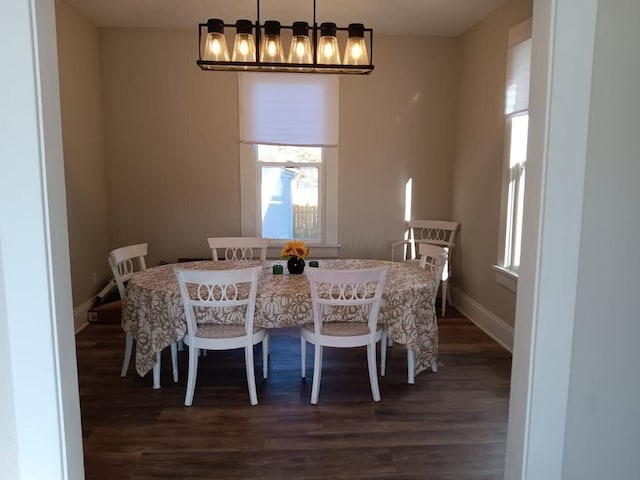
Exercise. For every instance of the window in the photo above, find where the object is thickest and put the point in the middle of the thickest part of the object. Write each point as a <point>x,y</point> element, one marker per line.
<point>290,186</point>
<point>517,128</point>
<point>289,158</point>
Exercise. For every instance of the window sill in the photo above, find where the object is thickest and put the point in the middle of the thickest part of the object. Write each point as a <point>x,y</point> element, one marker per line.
<point>506,278</point>
<point>317,250</point>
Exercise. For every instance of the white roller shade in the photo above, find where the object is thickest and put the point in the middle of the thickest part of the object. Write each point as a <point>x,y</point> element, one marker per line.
<point>518,68</point>
<point>289,109</point>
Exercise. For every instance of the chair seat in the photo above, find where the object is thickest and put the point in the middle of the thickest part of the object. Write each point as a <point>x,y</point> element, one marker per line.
<point>222,331</point>
<point>340,329</point>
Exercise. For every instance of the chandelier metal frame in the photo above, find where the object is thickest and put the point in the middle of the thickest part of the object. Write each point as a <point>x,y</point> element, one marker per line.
<point>262,66</point>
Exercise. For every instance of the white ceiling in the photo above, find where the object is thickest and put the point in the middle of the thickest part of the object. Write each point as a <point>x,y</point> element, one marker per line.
<point>410,17</point>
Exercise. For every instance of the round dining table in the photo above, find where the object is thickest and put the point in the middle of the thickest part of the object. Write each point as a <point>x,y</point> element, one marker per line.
<point>153,314</point>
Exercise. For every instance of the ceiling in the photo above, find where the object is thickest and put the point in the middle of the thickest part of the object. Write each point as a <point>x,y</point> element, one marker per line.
<point>409,17</point>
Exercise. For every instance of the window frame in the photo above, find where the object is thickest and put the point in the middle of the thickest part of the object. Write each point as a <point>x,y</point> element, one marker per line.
<point>250,200</point>
<point>512,197</point>
<point>511,208</point>
<point>321,192</point>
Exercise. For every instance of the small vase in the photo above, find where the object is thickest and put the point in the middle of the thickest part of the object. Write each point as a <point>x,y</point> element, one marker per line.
<point>295,265</point>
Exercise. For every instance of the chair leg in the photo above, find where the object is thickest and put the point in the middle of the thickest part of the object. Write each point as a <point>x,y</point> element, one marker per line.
<point>265,357</point>
<point>445,295</point>
<point>317,371</point>
<point>267,338</point>
<point>383,353</point>
<point>191,376</point>
<point>373,372</point>
<point>156,372</point>
<point>128,347</point>
<point>174,361</point>
<point>251,378</point>
<point>303,356</point>
<point>411,367</point>
<point>434,366</point>
<point>180,345</point>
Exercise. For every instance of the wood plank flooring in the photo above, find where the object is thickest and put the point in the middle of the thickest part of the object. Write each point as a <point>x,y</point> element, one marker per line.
<point>449,425</point>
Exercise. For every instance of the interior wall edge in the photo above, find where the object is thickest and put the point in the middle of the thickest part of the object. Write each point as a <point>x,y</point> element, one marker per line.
<point>80,315</point>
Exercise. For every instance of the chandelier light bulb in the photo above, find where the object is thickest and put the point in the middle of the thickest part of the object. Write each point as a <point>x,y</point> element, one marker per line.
<point>356,51</point>
<point>215,48</point>
<point>300,50</point>
<point>272,45</point>
<point>243,46</point>
<point>328,52</point>
<point>244,49</point>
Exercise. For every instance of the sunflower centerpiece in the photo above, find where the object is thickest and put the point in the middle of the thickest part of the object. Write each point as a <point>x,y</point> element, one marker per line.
<point>295,252</point>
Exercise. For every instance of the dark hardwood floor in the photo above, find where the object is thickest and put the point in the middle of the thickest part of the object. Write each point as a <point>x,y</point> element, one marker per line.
<point>449,425</point>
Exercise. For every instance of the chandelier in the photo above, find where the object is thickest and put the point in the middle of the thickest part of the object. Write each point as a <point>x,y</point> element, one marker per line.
<point>259,47</point>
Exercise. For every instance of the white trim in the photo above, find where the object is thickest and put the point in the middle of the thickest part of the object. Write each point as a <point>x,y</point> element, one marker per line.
<point>43,434</point>
<point>81,315</point>
<point>250,202</point>
<point>520,32</point>
<point>315,251</point>
<point>554,197</point>
<point>506,278</point>
<point>504,195</point>
<point>330,195</point>
<point>485,319</point>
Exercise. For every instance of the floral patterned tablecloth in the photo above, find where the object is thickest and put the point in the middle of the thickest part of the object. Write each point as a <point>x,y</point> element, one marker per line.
<point>153,313</point>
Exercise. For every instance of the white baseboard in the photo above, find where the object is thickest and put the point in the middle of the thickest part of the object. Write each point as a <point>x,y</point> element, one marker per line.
<point>486,320</point>
<point>81,315</point>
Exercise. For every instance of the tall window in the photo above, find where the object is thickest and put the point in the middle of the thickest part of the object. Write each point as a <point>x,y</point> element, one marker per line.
<point>289,161</point>
<point>517,128</point>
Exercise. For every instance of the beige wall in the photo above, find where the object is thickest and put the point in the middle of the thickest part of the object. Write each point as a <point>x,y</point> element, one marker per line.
<point>395,125</point>
<point>431,111</point>
<point>478,165</point>
<point>84,159</point>
<point>172,142</point>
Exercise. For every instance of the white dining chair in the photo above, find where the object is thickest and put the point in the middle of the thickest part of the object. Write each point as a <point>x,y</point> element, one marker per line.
<point>239,248</point>
<point>432,259</point>
<point>123,265</point>
<point>432,232</point>
<point>346,305</point>
<point>208,292</point>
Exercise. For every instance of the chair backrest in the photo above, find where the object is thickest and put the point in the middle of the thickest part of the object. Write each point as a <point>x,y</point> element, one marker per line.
<point>433,258</point>
<point>434,232</point>
<point>346,288</point>
<point>121,261</point>
<point>238,248</point>
<point>212,290</point>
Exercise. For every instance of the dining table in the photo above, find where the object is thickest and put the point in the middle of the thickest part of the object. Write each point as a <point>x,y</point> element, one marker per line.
<point>152,310</point>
